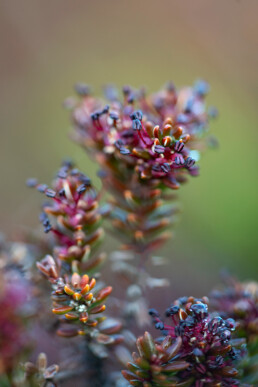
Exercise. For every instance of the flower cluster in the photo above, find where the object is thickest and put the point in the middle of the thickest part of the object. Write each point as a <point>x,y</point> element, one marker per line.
<point>77,301</point>
<point>15,306</point>
<point>143,144</point>
<point>203,343</point>
<point>155,141</point>
<point>239,301</point>
<point>75,208</point>
<point>76,296</point>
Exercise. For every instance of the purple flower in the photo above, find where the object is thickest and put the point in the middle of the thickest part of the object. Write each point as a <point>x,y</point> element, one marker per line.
<point>154,142</point>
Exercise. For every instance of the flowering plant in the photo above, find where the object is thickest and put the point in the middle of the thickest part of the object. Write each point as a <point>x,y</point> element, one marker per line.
<point>146,146</point>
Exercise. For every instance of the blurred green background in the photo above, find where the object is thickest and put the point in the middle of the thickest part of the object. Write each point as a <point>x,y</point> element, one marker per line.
<point>47,46</point>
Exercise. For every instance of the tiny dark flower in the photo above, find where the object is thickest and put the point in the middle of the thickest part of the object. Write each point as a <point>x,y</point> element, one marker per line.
<point>114,115</point>
<point>124,151</point>
<point>42,188</point>
<point>31,182</point>
<point>201,87</point>
<point>82,89</point>
<point>81,189</point>
<point>137,115</point>
<point>189,162</point>
<point>95,116</point>
<point>165,167</point>
<point>179,146</point>
<point>159,149</point>
<point>206,343</point>
<point>50,193</point>
<point>137,124</point>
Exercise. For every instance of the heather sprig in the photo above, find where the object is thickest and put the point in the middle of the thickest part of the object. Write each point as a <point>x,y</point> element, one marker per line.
<point>240,301</point>
<point>204,348</point>
<point>143,144</point>
<point>75,224</point>
<point>154,365</point>
<point>146,147</point>
<point>76,214</point>
<point>16,307</point>
<point>77,300</point>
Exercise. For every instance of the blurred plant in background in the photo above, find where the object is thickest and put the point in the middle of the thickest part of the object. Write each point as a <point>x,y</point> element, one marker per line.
<point>17,306</point>
<point>146,146</point>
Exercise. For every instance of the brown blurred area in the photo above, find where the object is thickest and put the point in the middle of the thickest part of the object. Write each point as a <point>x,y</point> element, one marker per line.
<point>47,46</point>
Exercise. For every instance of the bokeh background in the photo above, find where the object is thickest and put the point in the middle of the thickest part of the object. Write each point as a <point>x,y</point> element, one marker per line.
<point>47,46</point>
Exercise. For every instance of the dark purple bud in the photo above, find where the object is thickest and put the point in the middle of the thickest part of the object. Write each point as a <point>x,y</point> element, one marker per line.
<point>201,87</point>
<point>219,360</point>
<point>217,363</point>
<point>159,149</point>
<point>126,90</point>
<point>105,110</point>
<point>95,116</point>
<point>230,324</point>
<point>119,143</point>
<point>180,329</point>
<point>234,354</point>
<point>165,167</point>
<point>225,336</point>
<point>189,105</point>
<point>197,352</point>
<point>42,217</point>
<point>189,321</point>
<point>215,324</point>
<point>137,125</point>
<point>85,180</point>
<point>68,163</point>
<point>124,151</point>
<point>131,98</point>
<point>47,228</point>
<point>153,312</point>
<point>114,116</point>
<point>50,193</point>
<point>156,168</point>
<point>45,221</point>
<point>61,192</point>
<point>194,171</point>
<point>189,162</point>
<point>137,115</point>
<point>82,89</point>
<point>170,87</point>
<point>42,188</point>
<point>31,183</point>
<point>159,325</point>
<point>199,311</point>
<point>172,310</point>
<point>179,160</point>
<point>81,189</point>
<point>62,174</point>
<point>179,146</point>
<point>74,172</point>
<point>158,103</point>
<point>111,93</point>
